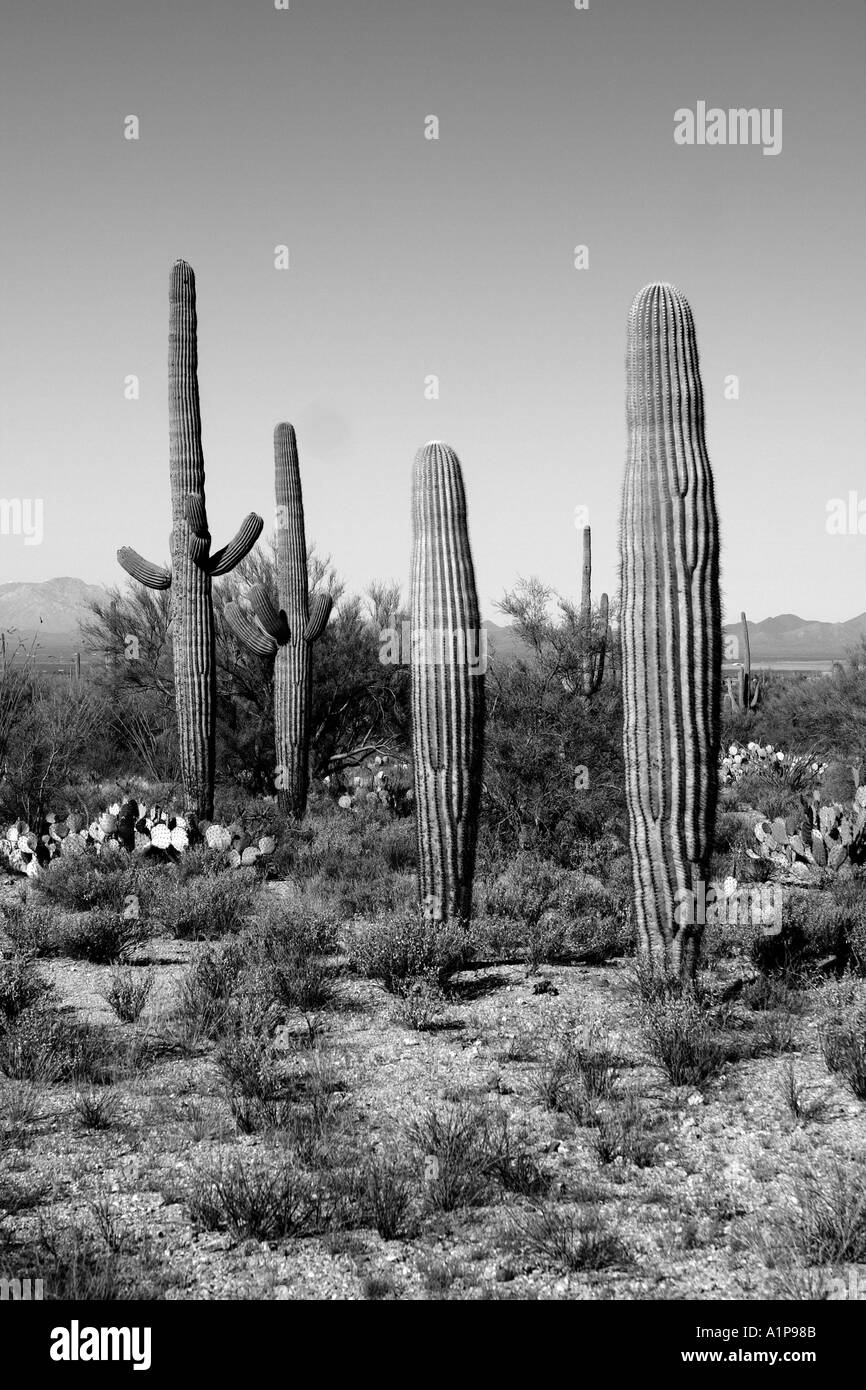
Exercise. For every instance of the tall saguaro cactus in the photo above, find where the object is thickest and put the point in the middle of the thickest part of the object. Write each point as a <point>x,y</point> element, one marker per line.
<point>593,646</point>
<point>671,630</point>
<point>447,669</point>
<point>193,566</point>
<point>287,633</point>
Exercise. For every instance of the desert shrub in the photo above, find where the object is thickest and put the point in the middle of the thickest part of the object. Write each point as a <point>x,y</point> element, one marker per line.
<point>420,1001</point>
<point>198,861</point>
<point>385,1193</point>
<point>99,1260</point>
<point>52,741</point>
<point>315,1128</point>
<point>20,986</point>
<point>682,1039</point>
<point>578,1072</point>
<point>842,1031</point>
<point>202,905</point>
<point>796,1095</point>
<point>776,1032</point>
<point>813,935</point>
<point>287,953</point>
<point>45,1046</point>
<point>539,729</point>
<point>497,938</point>
<point>596,940</point>
<point>81,882</point>
<point>828,1224</point>
<point>849,899</point>
<point>259,1195</point>
<point>34,929</point>
<point>465,1149</point>
<point>525,888</point>
<point>562,914</point>
<point>509,1161</point>
<point>406,946</point>
<point>129,991</point>
<point>398,845</point>
<point>624,1130</point>
<point>96,1109</point>
<point>206,990</point>
<point>250,1064</point>
<point>101,936</point>
<point>19,1108</point>
<point>767,993</point>
<point>569,1239</point>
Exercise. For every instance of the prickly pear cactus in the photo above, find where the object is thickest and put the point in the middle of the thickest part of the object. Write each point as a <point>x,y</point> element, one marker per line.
<point>817,840</point>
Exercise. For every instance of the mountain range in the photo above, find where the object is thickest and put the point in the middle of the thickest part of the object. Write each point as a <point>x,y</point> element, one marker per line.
<point>51,611</point>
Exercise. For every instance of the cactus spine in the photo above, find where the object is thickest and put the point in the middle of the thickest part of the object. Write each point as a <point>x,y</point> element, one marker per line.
<point>193,566</point>
<point>746,694</point>
<point>447,687</point>
<point>287,633</point>
<point>671,630</point>
<point>593,646</point>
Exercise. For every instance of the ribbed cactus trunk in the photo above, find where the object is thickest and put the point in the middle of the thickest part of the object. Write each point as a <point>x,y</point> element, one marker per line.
<point>287,632</point>
<point>447,671</point>
<point>671,630</point>
<point>192,620</point>
<point>593,646</point>
<point>193,567</point>
<point>293,672</point>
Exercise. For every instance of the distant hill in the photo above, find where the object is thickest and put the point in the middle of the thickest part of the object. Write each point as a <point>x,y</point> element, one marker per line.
<point>56,606</point>
<point>789,638</point>
<point>503,641</point>
<point>51,611</point>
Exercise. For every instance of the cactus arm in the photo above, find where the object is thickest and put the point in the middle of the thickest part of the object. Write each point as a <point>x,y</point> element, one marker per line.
<point>248,632</point>
<point>152,576</point>
<point>730,698</point>
<point>272,619</point>
<point>196,516</point>
<point>598,675</point>
<point>225,559</point>
<point>318,618</point>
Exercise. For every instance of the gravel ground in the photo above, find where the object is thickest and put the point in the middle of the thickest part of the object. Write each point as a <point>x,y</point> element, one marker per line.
<point>692,1222</point>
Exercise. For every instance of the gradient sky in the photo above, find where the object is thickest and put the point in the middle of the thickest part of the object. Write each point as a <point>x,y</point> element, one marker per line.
<point>411,257</point>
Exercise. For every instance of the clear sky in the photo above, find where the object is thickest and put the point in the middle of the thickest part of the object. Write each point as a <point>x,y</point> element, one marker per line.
<point>411,257</point>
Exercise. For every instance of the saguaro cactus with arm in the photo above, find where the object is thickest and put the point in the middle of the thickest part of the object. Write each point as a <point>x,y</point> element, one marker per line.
<point>287,633</point>
<point>593,647</point>
<point>671,630</point>
<point>447,669</point>
<point>193,567</point>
